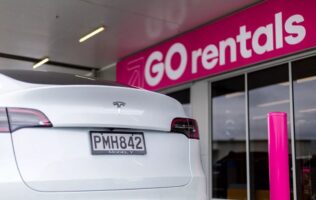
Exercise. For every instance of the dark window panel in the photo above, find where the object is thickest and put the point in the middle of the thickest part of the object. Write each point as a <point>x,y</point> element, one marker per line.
<point>304,88</point>
<point>268,92</point>
<point>229,139</point>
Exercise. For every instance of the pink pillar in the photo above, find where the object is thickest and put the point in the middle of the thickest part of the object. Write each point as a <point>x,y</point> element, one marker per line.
<point>278,156</point>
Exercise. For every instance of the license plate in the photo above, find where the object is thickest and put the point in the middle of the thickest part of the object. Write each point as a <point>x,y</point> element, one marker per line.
<point>109,143</point>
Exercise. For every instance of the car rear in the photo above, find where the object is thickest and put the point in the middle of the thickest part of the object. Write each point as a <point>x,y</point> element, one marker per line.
<point>97,141</point>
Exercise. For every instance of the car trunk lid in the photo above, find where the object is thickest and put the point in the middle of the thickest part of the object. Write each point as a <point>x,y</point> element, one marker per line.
<point>60,158</point>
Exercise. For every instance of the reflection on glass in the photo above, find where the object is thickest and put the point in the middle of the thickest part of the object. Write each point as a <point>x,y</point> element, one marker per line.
<point>268,92</point>
<point>229,139</point>
<point>304,85</point>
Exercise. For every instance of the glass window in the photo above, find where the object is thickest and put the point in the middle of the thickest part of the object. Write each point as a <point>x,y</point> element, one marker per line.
<point>268,92</point>
<point>229,139</point>
<point>304,88</point>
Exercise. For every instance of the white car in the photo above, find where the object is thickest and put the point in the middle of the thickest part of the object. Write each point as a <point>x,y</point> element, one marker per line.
<point>73,138</point>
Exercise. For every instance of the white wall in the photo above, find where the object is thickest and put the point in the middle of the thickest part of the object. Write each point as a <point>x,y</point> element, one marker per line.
<point>200,112</point>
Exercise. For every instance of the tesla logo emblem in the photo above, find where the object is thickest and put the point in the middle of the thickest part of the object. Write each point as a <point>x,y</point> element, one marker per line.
<point>119,104</point>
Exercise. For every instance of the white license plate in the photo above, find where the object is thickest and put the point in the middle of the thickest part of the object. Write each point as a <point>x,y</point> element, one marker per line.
<point>109,143</point>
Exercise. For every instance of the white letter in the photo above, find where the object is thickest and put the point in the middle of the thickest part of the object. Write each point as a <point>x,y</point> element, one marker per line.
<point>156,68</point>
<point>210,57</point>
<point>266,31</point>
<point>195,55</point>
<point>242,38</point>
<point>229,42</point>
<point>297,32</point>
<point>181,50</point>
<point>278,30</point>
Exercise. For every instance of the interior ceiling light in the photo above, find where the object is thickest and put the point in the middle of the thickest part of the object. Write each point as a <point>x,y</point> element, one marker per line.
<point>274,103</point>
<point>91,34</point>
<point>308,110</point>
<point>303,80</point>
<point>235,94</point>
<point>259,117</point>
<point>284,84</point>
<point>41,62</point>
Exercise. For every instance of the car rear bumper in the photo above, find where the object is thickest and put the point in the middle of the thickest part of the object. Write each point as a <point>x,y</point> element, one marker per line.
<point>12,186</point>
<point>193,191</point>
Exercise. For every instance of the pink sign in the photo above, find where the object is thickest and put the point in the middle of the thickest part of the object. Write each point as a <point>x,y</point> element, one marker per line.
<point>271,29</point>
<point>278,156</point>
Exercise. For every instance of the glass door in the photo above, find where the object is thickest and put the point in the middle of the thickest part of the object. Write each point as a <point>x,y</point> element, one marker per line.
<point>268,91</point>
<point>304,94</point>
<point>229,175</point>
<point>240,168</point>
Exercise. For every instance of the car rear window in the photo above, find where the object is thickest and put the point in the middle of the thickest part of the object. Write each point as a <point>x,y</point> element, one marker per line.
<point>53,78</point>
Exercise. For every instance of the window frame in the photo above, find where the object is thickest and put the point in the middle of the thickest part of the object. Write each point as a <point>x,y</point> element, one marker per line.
<point>245,71</point>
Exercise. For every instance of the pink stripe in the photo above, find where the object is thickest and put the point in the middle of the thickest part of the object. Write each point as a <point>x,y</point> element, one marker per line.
<point>278,156</point>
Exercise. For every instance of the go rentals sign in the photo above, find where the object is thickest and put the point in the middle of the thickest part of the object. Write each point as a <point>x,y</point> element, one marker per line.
<point>269,30</point>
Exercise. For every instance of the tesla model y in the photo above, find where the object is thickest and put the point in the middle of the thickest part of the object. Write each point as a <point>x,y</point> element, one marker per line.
<point>74,138</point>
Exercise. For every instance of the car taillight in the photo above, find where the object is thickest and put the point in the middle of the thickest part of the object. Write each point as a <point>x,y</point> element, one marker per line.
<point>186,126</point>
<point>25,117</point>
<point>4,124</point>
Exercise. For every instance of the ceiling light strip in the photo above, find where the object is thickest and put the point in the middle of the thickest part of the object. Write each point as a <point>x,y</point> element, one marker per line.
<point>93,33</point>
<point>41,62</point>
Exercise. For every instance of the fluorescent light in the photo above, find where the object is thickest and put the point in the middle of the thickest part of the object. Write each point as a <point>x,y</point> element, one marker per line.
<point>303,80</point>
<point>235,94</point>
<point>93,33</point>
<point>85,77</point>
<point>308,110</point>
<point>274,103</point>
<point>43,61</point>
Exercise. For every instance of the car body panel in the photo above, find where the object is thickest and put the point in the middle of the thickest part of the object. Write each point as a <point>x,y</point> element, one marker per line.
<point>59,159</point>
<point>93,106</point>
<point>12,186</point>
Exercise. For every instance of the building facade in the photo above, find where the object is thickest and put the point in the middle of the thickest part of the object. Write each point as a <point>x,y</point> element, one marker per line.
<point>228,75</point>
